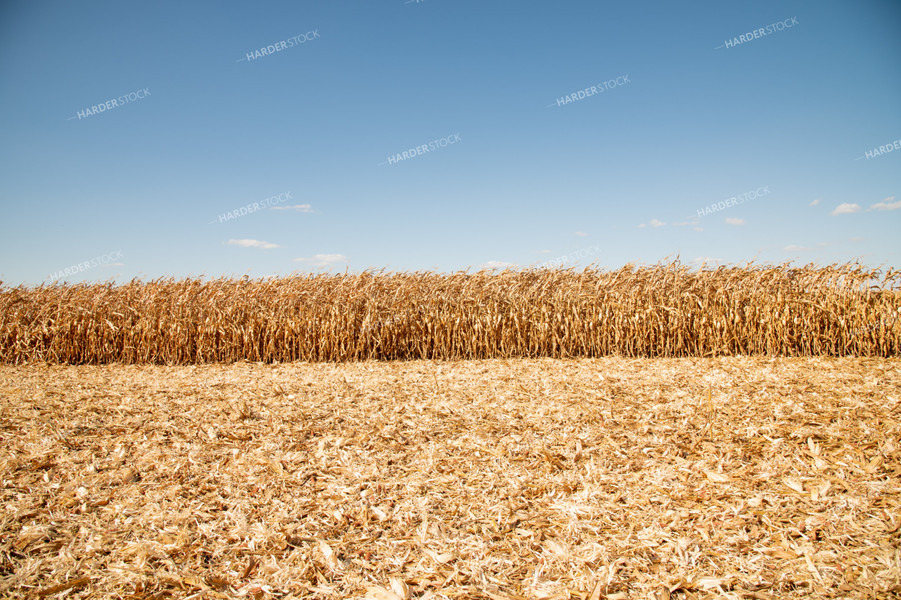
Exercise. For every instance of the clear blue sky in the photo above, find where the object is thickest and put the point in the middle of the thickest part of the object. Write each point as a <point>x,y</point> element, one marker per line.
<point>137,190</point>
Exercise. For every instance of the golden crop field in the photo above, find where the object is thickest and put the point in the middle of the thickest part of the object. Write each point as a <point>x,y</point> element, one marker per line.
<point>667,311</point>
<point>653,432</point>
<point>616,478</point>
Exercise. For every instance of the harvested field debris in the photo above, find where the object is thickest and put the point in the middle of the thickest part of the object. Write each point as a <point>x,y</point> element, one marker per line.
<point>609,478</point>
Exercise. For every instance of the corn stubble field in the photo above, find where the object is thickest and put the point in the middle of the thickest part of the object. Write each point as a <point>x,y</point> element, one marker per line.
<point>644,433</point>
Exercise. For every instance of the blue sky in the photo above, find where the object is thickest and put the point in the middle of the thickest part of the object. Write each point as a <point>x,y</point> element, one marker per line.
<point>154,185</point>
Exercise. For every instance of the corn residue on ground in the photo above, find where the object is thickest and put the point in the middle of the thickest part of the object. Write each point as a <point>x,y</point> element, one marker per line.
<point>731,477</point>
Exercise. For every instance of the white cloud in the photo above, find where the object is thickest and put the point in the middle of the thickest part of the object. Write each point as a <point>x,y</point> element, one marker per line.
<point>688,222</point>
<point>305,208</point>
<point>815,202</point>
<point>793,248</point>
<point>580,233</point>
<point>641,225</point>
<point>496,264</point>
<point>886,204</point>
<point>252,244</point>
<point>846,209</point>
<point>656,223</point>
<point>323,260</point>
<point>705,259</point>
<point>734,221</point>
<point>544,252</point>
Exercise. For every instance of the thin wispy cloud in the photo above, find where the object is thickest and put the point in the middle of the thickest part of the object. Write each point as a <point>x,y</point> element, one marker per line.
<point>793,248</point>
<point>846,209</point>
<point>304,208</point>
<point>496,264</point>
<point>734,221</point>
<point>886,204</point>
<point>580,234</point>
<point>815,202</point>
<point>252,244</point>
<point>656,223</point>
<point>323,260</point>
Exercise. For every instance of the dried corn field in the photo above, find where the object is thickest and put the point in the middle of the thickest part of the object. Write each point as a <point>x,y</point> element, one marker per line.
<point>729,477</point>
<point>666,311</point>
<point>525,447</point>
